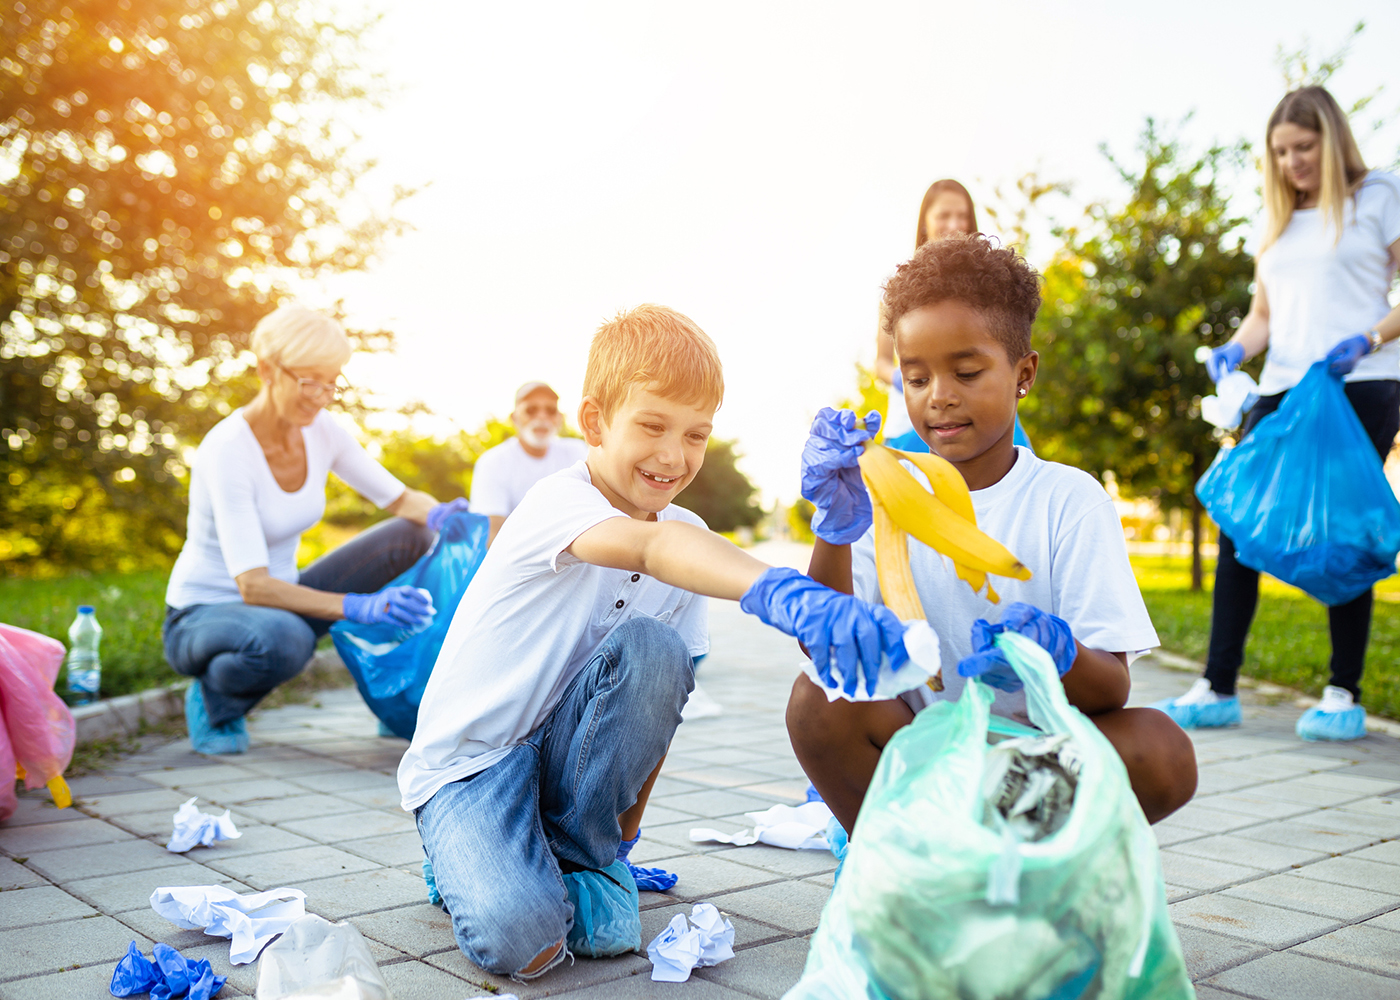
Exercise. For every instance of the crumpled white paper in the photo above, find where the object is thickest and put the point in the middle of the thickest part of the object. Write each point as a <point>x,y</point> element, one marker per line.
<point>925,660</point>
<point>194,828</point>
<point>797,828</point>
<point>251,921</point>
<point>680,948</point>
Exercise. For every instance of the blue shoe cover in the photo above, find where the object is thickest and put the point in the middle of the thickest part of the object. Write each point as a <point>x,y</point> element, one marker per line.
<point>838,842</point>
<point>606,919</point>
<point>1315,724</point>
<point>231,737</point>
<point>384,730</point>
<point>1225,712</point>
<point>434,896</point>
<point>647,879</point>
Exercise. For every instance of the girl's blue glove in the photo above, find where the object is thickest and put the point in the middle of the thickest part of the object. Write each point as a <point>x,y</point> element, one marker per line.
<point>1224,360</point>
<point>989,663</point>
<point>443,511</point>
<point>405,607</point>
<point>648,879</point>
<point>831,474</point>
<point>836,628</point>
<point>1342,358</point>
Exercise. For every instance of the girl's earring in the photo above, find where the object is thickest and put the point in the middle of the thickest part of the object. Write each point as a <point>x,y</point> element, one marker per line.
<point>1021,391</point>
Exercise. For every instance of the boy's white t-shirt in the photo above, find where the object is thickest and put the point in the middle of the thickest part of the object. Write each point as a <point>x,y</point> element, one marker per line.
<point>1322,290</point>
<point>531,619</point>
<point>240,518</point>
<point>1061,524</point>
<point>504,474</point>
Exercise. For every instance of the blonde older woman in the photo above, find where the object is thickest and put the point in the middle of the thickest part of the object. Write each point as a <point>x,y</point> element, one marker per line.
<point>240,618</point>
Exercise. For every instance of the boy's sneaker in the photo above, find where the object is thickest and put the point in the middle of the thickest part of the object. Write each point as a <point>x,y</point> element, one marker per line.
<point>231,737</point>
<point>1336,717</point>
<point>1202,708</point>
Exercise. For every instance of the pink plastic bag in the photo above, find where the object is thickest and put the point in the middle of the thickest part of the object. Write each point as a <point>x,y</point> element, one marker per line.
<point>38,730</point>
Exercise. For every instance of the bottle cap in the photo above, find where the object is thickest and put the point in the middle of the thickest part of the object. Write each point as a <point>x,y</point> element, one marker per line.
<point>85,609</point>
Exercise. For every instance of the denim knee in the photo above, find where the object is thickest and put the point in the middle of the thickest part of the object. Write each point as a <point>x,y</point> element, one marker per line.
<point>504,934</point>
<point>652,655</point>
<point>271,656</point>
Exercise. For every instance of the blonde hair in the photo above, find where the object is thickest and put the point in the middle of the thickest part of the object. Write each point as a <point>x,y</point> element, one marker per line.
<point>296,336</point>
<point>656,348</point>
<point>1312,108</point>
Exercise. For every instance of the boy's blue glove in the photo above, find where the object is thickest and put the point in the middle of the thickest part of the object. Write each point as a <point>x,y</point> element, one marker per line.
<point>1224,360</point>
<point>443,511</point>
<point>836,628</point>
<point>989,663</point>
<point>1342,358</point>
<point>647,879</point>
<point>831,474</point>
<point>406,607</point>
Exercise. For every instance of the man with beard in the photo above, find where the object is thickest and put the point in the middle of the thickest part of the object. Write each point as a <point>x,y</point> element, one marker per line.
<point>505,473</point>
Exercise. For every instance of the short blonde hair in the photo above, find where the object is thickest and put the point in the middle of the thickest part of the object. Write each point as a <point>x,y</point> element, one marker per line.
<point>1315,109</point>
<point>296,336</point>
<point>658,349</point>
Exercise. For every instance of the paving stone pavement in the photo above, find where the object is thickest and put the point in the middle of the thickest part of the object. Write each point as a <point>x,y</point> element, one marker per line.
<point>1283,875</point>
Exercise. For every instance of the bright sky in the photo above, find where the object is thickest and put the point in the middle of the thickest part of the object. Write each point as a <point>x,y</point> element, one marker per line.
<point>759,167</point>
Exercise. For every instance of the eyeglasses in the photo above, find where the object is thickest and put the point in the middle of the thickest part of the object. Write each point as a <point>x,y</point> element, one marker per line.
<point>535,410</point>
<point>311,389</point>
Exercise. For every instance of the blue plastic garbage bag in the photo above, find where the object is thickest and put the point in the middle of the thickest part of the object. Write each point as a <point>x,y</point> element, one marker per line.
<point>606,916</point>
<point>940,898</point>
<point>390,665</point>
<point>169,977</point>
<point>1303,496</point>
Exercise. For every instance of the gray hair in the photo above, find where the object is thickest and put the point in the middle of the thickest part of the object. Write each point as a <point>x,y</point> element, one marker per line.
<point>294,335</point>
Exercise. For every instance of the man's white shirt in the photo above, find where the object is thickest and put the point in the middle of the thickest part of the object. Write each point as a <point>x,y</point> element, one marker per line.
<point>504,474</point>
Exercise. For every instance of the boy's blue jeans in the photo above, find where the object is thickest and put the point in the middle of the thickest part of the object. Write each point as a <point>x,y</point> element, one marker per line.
<point>496,839</point>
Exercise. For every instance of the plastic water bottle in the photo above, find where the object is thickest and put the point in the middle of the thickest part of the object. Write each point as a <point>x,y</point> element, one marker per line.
<point>84,663</point>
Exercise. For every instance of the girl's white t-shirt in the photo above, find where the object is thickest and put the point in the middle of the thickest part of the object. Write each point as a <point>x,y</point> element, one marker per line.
<point>240,518</point>
<point>1322,290</point>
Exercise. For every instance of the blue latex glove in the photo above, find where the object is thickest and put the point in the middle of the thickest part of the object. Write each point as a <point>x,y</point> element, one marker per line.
<point>1224,360</point>
<point>648,879</point>
<point>831,474</point>
<point>405,607</point>
<point>430,880</point>
<point>443,511</point>
<point>836,628</point>
<point>1342,358</point>
<point>989,663</point>
<point>171,975</point>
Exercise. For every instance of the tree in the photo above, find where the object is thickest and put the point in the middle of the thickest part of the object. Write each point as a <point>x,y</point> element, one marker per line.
<point>1128,300</point>
<point>720,493</point>
<point>165,166</point>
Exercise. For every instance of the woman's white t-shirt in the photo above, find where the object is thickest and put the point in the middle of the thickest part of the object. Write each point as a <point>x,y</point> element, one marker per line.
<point>240,518</point>
<point>1322,290</point>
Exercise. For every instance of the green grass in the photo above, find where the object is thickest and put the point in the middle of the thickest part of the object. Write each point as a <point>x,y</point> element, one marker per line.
<point>1288,643</point>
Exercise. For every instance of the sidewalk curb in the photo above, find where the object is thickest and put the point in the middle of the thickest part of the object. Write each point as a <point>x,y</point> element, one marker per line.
<point>123,716</point>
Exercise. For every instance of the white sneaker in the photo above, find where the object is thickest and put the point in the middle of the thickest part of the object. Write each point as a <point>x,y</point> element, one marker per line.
<point>1335,699</point>
<point>700,706</point>
<point>1200,694</point>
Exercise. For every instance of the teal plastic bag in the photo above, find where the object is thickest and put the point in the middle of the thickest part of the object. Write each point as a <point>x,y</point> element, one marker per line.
<point>607,920</point>
<point>1081,913</point>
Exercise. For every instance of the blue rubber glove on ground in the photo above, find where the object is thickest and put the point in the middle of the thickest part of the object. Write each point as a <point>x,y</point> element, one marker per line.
<point>989,663</point>
<point>1342,358</point>
<point>831,474</point>
<point>647,879</point>
<point>443,511</point>
<point>1224,360</point>
<point>170,975</point>
<point>406,607</point>
<point>837,629</point>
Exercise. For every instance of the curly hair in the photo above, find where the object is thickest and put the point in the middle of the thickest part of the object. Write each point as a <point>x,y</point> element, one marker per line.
<point>978,272</point>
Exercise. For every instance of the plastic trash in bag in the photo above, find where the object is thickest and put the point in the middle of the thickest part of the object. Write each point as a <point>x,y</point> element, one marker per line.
<point>938,900</point>
<point>1303,496</point>
<point>166,975</point>
<point>316,958</point>
<point>36,727</point>
<point>390,665</point>
<point>606,917</point>
<point>1235,395</point>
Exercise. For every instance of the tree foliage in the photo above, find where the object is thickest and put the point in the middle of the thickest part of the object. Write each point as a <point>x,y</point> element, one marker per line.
<point>165,166</point>
<point>720,493</point>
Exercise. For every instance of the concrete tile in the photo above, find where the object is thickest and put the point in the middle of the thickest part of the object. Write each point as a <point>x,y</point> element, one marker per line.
<point>1304,791</point>
<point>716,776</point>
<point>352,826</point>
<point>41,905</point>
<point>566,978</point>
<point>100,785</point>
<point>666,785</point>
<point>416,981</point>
<point>1352,783</point>
<point>70,984</point>
<point>1381,805</point>
<point>362,892</point>
<point>648,851</point>
<point>1387,853</point>
<point>747,933</point>
<point>703,875</point>
<point>393,850</point>
<point>387,797</point>
<point>1348,820</point>
<point>1253,805</point>
<point>768,971</point>
<point>149,924</point>
<point>792,906</point>
<point>793,864</point>
<point>1207,953</point>
<point>235,793</point>
<point>14,875</point>
<point>101,859</point>
<point>150,800</point>
<point>255,839</point>
<point>1368,947</point>
<point>1201,873</point>
<point>789,791</point>
<point>349,781</point>
<point>640,987</point>
<point>1233,849</point>
<point>298,807</point>
<point>1288,976</point>
<point>1312,895</point>
<point>37,807</point>
<point>1356,872</point>
<point>714,802</point>
<point>113,894</point>
<point>240,977</point>
<point>84,942</point>
<point>678,834</point>
<point>25,840</point>
<point>415,930</point>
<point>659,815</point>
<point>1270,925</point>
<point>1199,816</point>
<point>1268,767</point>
<point>1387,921</point>
<point>1304,833</point>
<point>1174,892</point>
<point>1211,781</point>
<point>292,767</point>
<point>210,774</point>
<point>290,867</point>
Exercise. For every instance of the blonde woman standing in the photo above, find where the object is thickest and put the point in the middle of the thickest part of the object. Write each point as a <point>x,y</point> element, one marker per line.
<point>1329,253</point>
<point>240,618</point>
